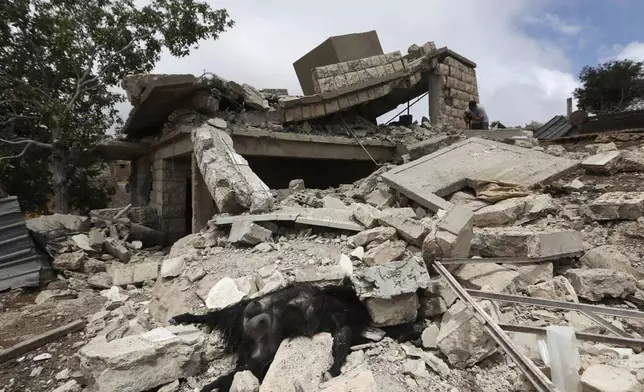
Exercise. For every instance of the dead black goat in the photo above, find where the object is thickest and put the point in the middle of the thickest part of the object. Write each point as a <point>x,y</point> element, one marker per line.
<point>253,329</point>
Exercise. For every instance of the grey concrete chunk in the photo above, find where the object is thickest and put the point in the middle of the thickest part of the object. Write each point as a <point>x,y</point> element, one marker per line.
<point>618,206</point>
<point>597,283</point>
<point>495,277</point>
<point>609,256</point>
<point>606,378</point>
<point>172,267</point>
<point>377,235</point>
<point>70,261</point>
<point>409,229</point>
<point>359,379</point>
<point>526,242</point>
<point>605,162</point>
<point>142,362</point>
<point>462,337</point>
<point>300,360</point>
<point>117,249</point>
<point>224,294</point>
<point>366,214</point>
<point>557,288</point>
<point>391,279</point>
<point>322,276</point>
<point>244,382</point>
<point>381,197</point>
<point>385,252</point>
<point>122,275</point>
<point>248,233</point>
<point>397,310</point>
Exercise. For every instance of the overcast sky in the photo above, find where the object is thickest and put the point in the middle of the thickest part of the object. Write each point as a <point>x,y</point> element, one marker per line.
<point>528,52</point>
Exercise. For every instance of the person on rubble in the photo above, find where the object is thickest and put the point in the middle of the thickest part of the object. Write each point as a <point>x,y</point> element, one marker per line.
<point>476,117</point>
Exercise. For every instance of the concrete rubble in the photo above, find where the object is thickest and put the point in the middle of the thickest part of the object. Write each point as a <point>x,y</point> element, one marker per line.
<point>378,236</point>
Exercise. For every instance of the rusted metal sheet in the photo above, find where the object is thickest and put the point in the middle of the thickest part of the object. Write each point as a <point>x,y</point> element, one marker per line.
<point>20,264</point>
<point>557,127</point>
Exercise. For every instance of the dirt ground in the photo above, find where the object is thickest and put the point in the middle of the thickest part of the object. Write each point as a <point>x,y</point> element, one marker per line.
<point>22,319</point>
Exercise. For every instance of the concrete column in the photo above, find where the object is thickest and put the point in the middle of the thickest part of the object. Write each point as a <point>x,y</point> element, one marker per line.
<point>568,107</point>
<point>203,206</point>
<point>437,113</point>
<point>139,182</point>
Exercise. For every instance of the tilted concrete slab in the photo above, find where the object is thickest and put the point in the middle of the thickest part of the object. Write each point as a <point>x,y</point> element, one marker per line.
<point>428,179</point>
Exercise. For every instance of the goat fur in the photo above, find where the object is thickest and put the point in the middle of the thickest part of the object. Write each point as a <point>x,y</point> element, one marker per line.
<point>254,329</point>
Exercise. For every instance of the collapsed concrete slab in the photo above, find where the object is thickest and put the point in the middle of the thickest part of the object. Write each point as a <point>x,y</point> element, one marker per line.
<point>142,362</point>
<point>526,242</point>
<point>605,162</point>
<point>232,184</point>
<point>446,171</point>
<point>598,283</point>
<point>617,206</point>
<point>609,256</point>
<point>509,211</point>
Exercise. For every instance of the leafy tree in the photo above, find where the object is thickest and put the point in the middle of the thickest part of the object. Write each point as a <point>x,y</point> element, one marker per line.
<point>59,63</point>
<point>610,87</point>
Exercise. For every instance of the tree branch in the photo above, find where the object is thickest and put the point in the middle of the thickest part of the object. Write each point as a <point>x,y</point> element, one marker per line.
<point>27,142</point>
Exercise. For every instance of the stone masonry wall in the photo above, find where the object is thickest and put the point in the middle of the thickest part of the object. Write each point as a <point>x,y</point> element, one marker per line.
<point>459,87</point>
<point>169,180</point>
<point>336,76</point>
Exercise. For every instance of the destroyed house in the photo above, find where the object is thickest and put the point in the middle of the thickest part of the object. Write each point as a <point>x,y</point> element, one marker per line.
<point>328,137</point>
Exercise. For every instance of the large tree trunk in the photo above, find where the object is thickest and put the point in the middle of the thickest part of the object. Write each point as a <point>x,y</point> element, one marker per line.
<point>59,180</point>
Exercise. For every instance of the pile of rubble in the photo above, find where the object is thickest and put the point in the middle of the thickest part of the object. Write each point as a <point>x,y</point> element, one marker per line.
<point>582,234</point>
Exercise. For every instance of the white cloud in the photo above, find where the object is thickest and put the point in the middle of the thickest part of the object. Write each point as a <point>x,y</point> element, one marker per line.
<point>633,51</point>
<point>520,78</point>
<point>559,25</point>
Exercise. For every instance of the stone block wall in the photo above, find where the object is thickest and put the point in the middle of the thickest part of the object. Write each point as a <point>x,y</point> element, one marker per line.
<point>169,182</point>
<point>459,87</point>
<point>336,76</point>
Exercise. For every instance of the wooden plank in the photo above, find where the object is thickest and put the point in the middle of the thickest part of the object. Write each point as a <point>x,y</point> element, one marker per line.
<point>40,340</point>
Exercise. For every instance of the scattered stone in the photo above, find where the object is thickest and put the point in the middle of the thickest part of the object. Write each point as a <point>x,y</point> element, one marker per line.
<point>359,379</point>
<point>494,276</point>
<point>435,363</point>
<point>429,336</point>
<point>557,288</point>
<point>115,294</point>
<point>438,297</point>
<point>606,378</point>
<point>42,357</point>
<point>63,375</point>
<point>418,370</point>
<point>420,212</point>
<point>396,310</point>
<point>93,266</point>
<point>617,206</point>
<point>70,261</point>
<point>525,241</point>
<point>35,372</point>
<point>81,241</point>
<point>453,236</point>
<point>357,253</point>
<point>373,334</point>
<point>224,294</point>
<point>96,238</point>
<point>101,280</point>
<point>320,275</point>
<point>462,337</point>
<point>605,162</point>
<point>122,275</point>
<point>244,382</point>
<point>409,229</point>
<point>54,295</point>
<point>556,150</point>
<point>605,147</point>
<point>247,232</point>
<point>609,256</point>
<point>333,202</point>
<point>377,235</point>
<point>595,284</point>
<point>346,264</point>
<point>69,386</point>
<point>142,362</point>
<point>390,280</point>
<point>264,247</point>
<point>116,248</point>
<point>172,267</point>
<point>575,186</point>
<point>381,198</point>
<point>366,214</point>
<point>385,252</point>
<point>530,274</point>
<point>196,274</point>
<point>252,97</point>
<point>296,185</point>
<point>300,360</point>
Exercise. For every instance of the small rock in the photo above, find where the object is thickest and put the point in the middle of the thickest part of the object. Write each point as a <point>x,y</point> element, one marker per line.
<point>366,214</point>
<point>385,252</point>
<point>70,261</point>
<point>263,247</point>
<point>101,280</point>
<point>418,370</point>
<point>377,235</point>
<point>117,249</point>
<point>575,186</point>
<point>35,372</point>
<point>296,185</point>
<point>81,241</point>
<point>429,336</point>
<point>223,294</point>
<point>557,288</point>
<point>249,233</point>
<point>244,382</point>
<point>96,238</point>
<point>397,310</point>
<point>196,274</point>
<point>93,266</point>
<point>51,295</point>
<point>42,357</point>
<point>381,198</point>
<point>63,375</point>
<point>358,253</point>
<point>172,267</point>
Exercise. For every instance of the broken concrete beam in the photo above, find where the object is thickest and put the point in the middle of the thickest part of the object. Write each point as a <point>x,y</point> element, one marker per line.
<point>463,338</point>
<point>248,233</point>
<point>385,252</point>
<point>617,206</point>
<point>122,275</point>
<point>232,184</point>
<point>427,147</point>
<point>557,289</point>
<point>605,162</point>
<point>609,256</point>
<point>598,283</point>
<point>509,211</point>
<point>328,217</point>
<point>396,310</point>
<point>300,361</point>
<point>377,235</point>
<point>252,97</point>
<point>143,362</point>
<point>409,229</point>
<point>526,242</point>
<point>321,276</point>
<point>117,249</point>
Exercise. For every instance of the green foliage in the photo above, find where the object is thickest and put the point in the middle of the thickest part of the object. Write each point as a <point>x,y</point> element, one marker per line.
<point>610,87</point>
<point>60,64</point>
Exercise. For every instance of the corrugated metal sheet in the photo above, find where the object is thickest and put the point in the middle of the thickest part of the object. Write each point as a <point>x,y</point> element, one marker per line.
<point>557,127</point>
<point>20,264</point>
